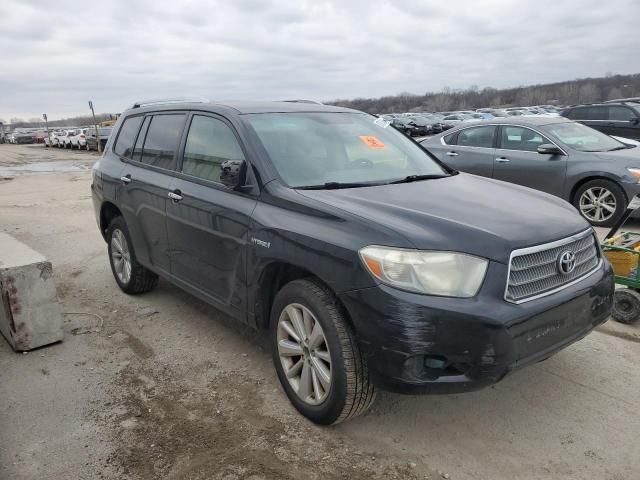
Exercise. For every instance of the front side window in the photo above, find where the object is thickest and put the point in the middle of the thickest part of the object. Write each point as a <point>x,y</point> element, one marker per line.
<point>126,137</point>
<point>477,136</point>
<point>583,138</point>
<point>313,149</point>
<point>623,114</point>
<point>521,138</point>
<point>210,143</point>
<point>162,140</point>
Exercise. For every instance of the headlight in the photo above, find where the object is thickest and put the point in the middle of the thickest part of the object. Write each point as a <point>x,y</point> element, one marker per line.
<point>434,273</point>
<point>635,173</point>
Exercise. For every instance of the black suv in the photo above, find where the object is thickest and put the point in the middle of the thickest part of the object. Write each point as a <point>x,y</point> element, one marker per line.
<point>371,263</point>
<point>620,119</point>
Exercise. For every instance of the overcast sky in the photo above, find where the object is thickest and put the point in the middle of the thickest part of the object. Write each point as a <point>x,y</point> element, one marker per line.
<point>58,54</point>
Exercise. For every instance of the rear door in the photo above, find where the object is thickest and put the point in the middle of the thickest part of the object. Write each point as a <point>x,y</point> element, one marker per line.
<point>470,150</point>
<point>145,182</point>
<point>517,160</point>
<point>208,222</point>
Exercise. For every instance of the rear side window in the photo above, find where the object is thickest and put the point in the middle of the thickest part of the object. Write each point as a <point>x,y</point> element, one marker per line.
<point>162,139</point>
<point>210,143</point>
<point>127,135</point>
<point>477,136</point>
<point>137,149</point>
<point>451,138</point>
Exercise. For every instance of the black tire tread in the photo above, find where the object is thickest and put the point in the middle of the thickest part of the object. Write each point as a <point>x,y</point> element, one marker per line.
<point>360,391</point>
<point>630,317</point>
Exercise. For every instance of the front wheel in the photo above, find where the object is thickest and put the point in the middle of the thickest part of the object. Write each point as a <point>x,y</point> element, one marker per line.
<point>131,276</point>
<point>602,202</point>
<point>316,355</point>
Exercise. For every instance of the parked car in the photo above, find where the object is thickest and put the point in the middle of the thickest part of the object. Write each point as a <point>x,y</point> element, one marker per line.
<point>596,173</point>
<point>78,139</point>
<point>455,119</point>
<point>622,119</point>
<point>371,263</point>
<point>104,132</point>
<point>405,125</point>
<point>56,138</point>
<point>24,138</point>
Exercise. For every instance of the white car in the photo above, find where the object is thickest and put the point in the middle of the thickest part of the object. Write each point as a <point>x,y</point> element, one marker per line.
<point>78,139</point>
<point>56,138</point>
<point>65,139</point>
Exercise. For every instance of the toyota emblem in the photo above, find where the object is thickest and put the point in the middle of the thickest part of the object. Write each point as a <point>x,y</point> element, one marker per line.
<point>566,262</point>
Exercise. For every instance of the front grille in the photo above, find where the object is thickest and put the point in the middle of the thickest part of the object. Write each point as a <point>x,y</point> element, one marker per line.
<point>535,271</point>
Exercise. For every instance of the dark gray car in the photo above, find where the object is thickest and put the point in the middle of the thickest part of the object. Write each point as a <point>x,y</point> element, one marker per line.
<point>596,173</point>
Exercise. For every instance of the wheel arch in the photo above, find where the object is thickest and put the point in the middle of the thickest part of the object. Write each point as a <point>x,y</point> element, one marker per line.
<point>276,275</point>
<point>108,211</point>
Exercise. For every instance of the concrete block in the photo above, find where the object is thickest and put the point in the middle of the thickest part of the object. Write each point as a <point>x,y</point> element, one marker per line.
<point>30,314</point>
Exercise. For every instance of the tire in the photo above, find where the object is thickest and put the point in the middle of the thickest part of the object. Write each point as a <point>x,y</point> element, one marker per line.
<point>349,392</point>
<point>139,279</point>
<point>609,194</point>
<point>626,306</point>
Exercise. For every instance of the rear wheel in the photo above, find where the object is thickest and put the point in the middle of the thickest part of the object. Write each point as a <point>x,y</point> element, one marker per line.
<point>131,276</point>
<point>316,355</point>
<point>626,305</point>
<point>602,202</point>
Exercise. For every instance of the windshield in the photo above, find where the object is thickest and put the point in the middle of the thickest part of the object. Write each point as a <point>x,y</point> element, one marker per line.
<point>312,149</point>
<point>583,138</point>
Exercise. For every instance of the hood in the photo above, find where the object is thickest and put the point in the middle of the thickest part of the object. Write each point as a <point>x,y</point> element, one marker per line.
<point>629,155</point>
<point>462,213</point>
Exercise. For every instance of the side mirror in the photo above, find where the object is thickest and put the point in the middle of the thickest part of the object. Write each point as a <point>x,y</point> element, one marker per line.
<point>549,149</point>
<point>233,173</point>
<point>635,121</point>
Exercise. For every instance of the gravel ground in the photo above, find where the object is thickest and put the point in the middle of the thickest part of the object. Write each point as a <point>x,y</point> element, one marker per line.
<point>164,386</point>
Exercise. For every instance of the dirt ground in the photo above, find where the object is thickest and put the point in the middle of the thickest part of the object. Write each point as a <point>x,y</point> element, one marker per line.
<point>164,386</point>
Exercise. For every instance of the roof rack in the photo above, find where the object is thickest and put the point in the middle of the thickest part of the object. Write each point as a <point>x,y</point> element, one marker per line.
<point>168,101</point>
<point>624,100</point>
<point>303,101</point>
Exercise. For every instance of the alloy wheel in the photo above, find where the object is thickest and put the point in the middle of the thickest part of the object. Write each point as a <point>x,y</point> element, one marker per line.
<point>304,353</point>
<point>121,256</point>
<point>598,204</point>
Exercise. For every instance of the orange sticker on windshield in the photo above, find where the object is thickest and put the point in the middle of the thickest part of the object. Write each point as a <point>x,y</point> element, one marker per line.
<point>371,142</point>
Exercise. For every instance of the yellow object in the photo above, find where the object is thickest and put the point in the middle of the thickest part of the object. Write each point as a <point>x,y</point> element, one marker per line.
<point>622,262</point>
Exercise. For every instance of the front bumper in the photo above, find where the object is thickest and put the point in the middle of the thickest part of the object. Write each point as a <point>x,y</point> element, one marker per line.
<point>424,344</point>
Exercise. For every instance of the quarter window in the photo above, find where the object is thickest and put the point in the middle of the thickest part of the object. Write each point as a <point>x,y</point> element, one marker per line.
<point>210,143</point>
<point>477,136</point>
<point>127,135</point>
<point>162,139</point>
<point>520,138</point>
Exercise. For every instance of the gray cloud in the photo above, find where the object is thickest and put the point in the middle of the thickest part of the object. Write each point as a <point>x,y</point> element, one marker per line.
<point>57,56</point>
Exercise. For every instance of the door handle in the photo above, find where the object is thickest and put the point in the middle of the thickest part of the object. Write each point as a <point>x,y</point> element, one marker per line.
<point>452,154</point>
<point>126,179</point>
<point>502,160</point>
<point>176,195</point>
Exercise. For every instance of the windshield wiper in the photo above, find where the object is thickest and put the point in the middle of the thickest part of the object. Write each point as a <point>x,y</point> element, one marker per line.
<point>416,178</point>
<point>621,147</point>
<point>336,185</point>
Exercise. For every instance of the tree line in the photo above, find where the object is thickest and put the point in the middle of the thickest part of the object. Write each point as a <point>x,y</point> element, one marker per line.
<point>572,92</point>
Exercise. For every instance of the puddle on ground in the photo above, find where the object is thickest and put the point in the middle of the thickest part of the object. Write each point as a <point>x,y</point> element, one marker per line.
<point>46,167</point>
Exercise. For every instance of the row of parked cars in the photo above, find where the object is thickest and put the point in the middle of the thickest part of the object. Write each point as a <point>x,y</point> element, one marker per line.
<point>615,117</point>
<point>418,124</point>
<point>78,138</point>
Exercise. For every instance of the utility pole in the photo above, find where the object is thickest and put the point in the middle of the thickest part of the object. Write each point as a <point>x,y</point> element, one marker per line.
<point>95,124</point>
<point>46,123</point>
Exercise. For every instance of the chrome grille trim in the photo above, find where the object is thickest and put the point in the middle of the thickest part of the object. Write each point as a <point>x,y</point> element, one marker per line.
<point>533,273</point>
